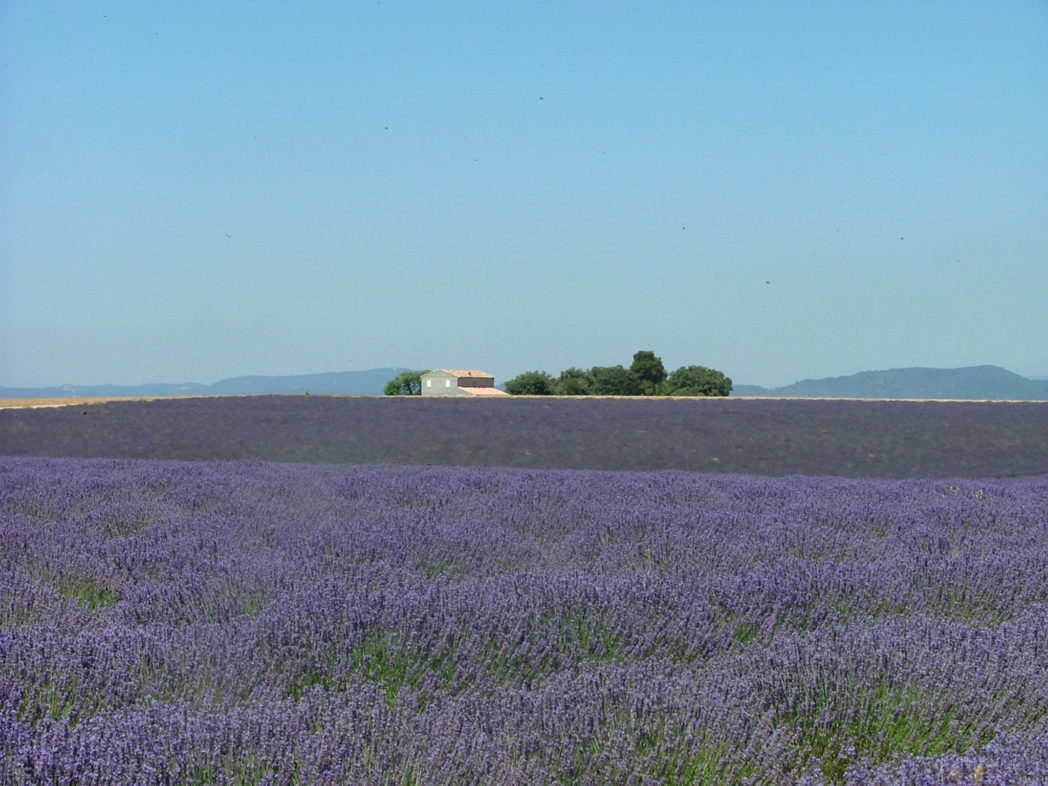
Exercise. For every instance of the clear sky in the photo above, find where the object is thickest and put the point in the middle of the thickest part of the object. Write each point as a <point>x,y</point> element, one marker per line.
<point>779,190</point>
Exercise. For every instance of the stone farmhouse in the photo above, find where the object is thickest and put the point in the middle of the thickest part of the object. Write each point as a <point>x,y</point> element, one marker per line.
<point>459,382</point>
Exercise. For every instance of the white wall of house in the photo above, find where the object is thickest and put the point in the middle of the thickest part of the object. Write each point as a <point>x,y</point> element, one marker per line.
<point>445,382</point>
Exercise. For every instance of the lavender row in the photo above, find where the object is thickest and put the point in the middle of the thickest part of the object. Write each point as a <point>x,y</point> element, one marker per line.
<point>900,439</point>
<point>250,622</point>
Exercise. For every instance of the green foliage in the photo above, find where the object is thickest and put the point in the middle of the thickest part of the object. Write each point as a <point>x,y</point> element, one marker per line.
<point>697,381</point>
<point>574,382</point>
<point>88,592</point>
<point>407,384</point>
<point>880,723</point>
<point>709,765</point>
<point>382,659</point>
<point>124,528</point>
<point>614,381</point>
<point>648,368</point>
<point>531,383</point>
<point>646,376</point>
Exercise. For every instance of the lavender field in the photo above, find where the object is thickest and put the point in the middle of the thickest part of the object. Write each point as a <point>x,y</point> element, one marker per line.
<point>248,622</point>
<point>886,439</point>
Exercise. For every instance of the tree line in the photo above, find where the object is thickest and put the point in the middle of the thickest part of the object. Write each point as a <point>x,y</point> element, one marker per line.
<point>646,376</point>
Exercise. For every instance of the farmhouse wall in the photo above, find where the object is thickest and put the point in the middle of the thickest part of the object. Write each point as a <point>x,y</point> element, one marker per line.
<point>439,383</point>
<point>476,382</point>
<point>455,382</point>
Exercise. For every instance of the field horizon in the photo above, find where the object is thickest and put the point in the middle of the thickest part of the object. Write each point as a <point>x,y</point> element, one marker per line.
<point>72,401</point>
<point>844,437</point>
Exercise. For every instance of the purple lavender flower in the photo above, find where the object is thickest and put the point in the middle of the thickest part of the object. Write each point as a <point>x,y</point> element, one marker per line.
<point>252,622</point>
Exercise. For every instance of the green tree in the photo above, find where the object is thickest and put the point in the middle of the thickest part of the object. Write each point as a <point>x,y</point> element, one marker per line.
<point>698,381</point>
<point>531,383</point>
<point>407,384</point>
<point>614,381</point>
<point>573,382</point>
<point>648,368</point>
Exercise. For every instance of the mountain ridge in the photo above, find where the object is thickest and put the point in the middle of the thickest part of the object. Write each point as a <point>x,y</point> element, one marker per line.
<point>969,382</point>
<point>360,383</point>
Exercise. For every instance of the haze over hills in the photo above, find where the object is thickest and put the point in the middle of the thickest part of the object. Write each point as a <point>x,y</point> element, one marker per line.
<point>370,382</point>
<point>972,382</point>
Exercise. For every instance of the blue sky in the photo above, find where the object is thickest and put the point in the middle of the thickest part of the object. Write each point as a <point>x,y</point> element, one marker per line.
<point>196,190</point>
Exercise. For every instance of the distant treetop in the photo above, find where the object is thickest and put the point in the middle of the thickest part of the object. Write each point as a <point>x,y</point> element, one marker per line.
<point>407,384</point>
<point>646,376</point>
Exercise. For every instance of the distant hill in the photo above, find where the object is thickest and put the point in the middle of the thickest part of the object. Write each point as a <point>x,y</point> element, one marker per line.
<point>370,382</point>
<point>973,382</point>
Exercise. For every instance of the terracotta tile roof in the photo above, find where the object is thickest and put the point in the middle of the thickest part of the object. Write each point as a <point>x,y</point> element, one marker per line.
<point>467,372</point>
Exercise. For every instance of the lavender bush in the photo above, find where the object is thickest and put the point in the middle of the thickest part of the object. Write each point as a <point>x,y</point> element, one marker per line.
<point>257,623</point>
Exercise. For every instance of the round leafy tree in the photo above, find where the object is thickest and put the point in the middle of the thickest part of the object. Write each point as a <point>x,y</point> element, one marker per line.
<point>698,381</point>
<point>407,384</point>
<point>574,382</point>
<point>648,368</point>
<point>614,381</point>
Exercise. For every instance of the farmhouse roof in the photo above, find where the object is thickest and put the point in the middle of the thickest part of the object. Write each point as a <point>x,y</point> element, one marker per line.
<point>467,372</point>
<point>484,391</point>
